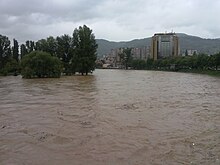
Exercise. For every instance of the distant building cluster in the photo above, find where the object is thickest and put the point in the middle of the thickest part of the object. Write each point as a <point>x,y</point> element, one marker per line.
<point>113,59</point>
<point>190,52</point>
<point>162,45</point>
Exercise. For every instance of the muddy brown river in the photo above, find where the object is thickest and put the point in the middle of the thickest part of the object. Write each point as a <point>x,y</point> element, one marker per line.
<point>113,117</point>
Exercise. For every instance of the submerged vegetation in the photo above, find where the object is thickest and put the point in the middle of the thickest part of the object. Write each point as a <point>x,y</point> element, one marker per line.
<point>202,63</point>
<point>51,56</point>
<point>40,64</point>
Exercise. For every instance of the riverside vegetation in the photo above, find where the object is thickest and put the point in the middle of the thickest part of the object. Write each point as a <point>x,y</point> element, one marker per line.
<point>201,63</point>
<point>50,57</point>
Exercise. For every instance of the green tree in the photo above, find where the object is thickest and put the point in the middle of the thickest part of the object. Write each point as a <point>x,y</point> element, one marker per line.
<point>192,62</point>
<point>23,50</point>
<point>64,45</point>
<point>5,51</point>
<point>183,62</point>
<point>126,57</point>
<point>65,52</point>
<point>186,52</point>
<point>30,45</point>
<point>85,48</point>
<point>216,60</point>
<point>149,63</point>
<point>47,45</point>
<point>52,45</point>
<point>41,45</point>
<point>15,50</point>
<point>202,61</point>
<point>139,64</point>
<point>40,64</point>
<point>11,67</point>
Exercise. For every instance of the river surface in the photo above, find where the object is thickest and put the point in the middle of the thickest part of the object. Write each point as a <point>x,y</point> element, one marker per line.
<point>113,117</point>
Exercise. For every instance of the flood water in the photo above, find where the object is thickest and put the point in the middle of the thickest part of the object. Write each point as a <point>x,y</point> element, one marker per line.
<point>113,117</point>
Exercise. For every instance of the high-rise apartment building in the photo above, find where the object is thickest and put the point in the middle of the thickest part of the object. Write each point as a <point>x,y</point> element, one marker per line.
<point>142,53</point>
<point>164,45</point>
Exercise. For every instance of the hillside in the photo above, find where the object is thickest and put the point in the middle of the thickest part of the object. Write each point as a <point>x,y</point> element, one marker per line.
<point>208,46</point>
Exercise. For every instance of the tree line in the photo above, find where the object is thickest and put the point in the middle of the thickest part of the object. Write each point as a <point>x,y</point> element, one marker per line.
<point>51,56</point>
<point>195,62</point>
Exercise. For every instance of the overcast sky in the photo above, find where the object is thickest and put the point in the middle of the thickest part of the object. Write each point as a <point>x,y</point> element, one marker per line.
<point>114,20</point>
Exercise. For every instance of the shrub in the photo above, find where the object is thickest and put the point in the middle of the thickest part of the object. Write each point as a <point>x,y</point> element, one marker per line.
<point>41,65</point>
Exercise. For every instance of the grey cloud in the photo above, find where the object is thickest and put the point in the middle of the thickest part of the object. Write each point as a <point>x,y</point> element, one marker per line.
<point>124,19</point>
<point>67,10</point>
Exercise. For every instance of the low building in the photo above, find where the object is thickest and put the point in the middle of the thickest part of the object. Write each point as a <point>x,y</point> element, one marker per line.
<point>190,52</point>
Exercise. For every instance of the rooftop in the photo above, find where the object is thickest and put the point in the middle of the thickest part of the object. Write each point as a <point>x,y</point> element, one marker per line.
<point>159,34</point>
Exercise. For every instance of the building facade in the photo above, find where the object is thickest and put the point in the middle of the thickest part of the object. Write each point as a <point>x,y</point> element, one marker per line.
<point>164,45</point>
<point>142,53</point>
<point>115,61</point>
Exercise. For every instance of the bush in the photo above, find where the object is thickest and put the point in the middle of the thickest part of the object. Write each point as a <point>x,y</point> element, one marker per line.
<point>41,65</point>
<point>10,68</point>
<point>139,64</point>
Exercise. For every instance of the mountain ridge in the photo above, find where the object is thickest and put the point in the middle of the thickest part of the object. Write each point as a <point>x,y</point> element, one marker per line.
<point>202,45</point>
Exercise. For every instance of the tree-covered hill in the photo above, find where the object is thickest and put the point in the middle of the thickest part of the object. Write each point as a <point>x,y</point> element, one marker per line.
<point>208,46</point>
